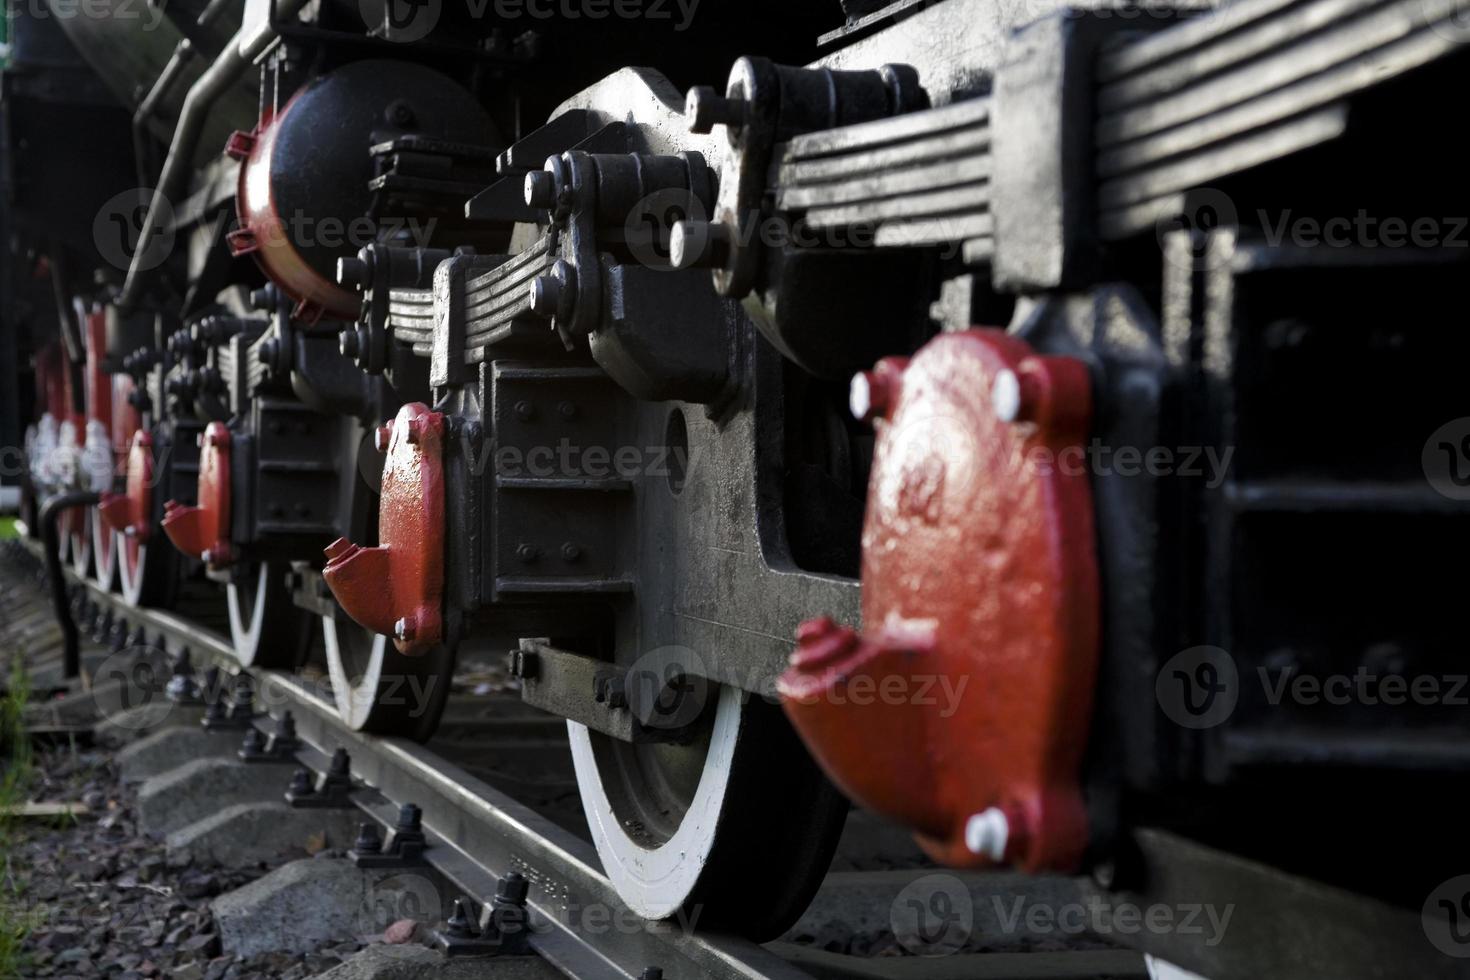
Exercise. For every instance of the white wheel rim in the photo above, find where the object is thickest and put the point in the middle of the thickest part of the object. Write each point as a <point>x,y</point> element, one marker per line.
<point>247,639</point>
<point>132,576</point>
<point>106,566</point>
<point>81,545</point>
<point>656,882</point>
<point>354,700</point>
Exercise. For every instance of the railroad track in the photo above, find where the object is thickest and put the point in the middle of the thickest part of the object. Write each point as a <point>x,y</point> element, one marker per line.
<point>477,833</point>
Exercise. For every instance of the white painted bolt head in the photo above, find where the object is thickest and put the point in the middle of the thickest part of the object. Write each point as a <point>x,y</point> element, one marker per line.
<point>860,395</point>
<point>1005,396</point>
<point>986,833</point>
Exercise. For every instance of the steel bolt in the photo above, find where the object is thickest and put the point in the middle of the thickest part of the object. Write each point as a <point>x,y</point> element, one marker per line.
<point>700,244</point>
<point>528,553</point>
<point>382,436</point>
<point>704,109</point>
<point>400,113</point>
<point>869,395</point>
<point>651,973</point>
<point>545,295</point>
<point>254,742</point>
<point>352,272</point>
<point>987,832</point>
<point>301,783</point>
<point>410,817</point>
<point>525,411</point>
<point>183,663</point>
<point>566,409</point>
<point>512,888</point>
<point>1005,396</point>
<point>215,713</point>
<point>369,839</point>
<point>347,343</point>
<point>243,703</point>
<point>341,764</point>
<point>458,925</point>
<point>540,190</point>
<point>571,551</point>
<point>522,663</point>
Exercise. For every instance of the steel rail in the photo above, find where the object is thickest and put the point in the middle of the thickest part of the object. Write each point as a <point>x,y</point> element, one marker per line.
<point>477,833</point>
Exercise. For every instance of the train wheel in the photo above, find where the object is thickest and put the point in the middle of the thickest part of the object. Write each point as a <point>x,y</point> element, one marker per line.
<point>149,575</point>
<point>63,538</point>
<point>79,535</point>
<point>104,552</point>
<point>267,627</point>
<point>686,826</point>
<point>378,689</point>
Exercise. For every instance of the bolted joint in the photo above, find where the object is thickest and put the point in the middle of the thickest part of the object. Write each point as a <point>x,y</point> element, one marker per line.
<point>369,840</point>
<point>301,785</point>
<point>704,109</point>
<point>701,245</point>
<point>873,394</point>
<point>459,925</point>
<point>523,664</point>
<point>252,747</point>
<point>545,295</point>
<point>354,273</point>
<point>989,834</point>
<point>541,190</point>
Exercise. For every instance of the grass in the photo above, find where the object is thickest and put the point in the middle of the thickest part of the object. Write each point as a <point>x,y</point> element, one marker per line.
<point>15,784</point>
<point>7,528</point>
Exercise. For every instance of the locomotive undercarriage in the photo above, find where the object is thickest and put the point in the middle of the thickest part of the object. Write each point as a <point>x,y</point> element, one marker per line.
<point>696,381</point>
